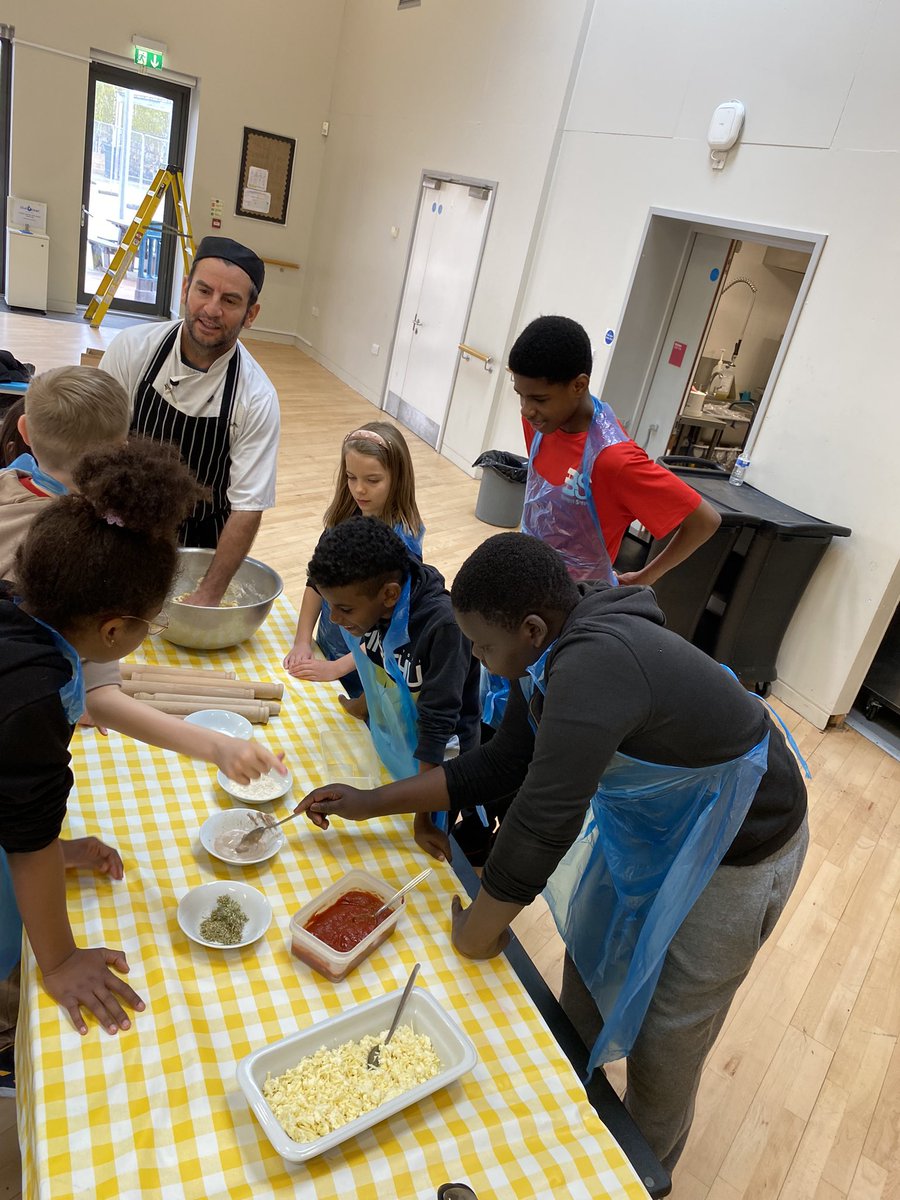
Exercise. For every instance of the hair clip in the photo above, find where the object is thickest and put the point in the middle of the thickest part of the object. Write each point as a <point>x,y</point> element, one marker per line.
<point>366,435</point>
<point>111,519</point>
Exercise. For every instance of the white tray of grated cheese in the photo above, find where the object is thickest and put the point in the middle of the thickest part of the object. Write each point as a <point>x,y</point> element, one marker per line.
<point>455,1052</point>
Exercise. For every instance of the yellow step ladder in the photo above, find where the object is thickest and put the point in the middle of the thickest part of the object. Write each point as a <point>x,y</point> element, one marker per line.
<point>168,177</point>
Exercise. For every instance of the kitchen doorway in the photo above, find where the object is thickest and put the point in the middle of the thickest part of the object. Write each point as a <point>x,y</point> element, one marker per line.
<point>706,327</point>
<point>135,125</point>
<point>448,242</point>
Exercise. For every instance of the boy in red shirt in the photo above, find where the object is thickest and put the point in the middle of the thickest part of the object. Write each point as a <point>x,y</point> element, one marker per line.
<point>587,480</point>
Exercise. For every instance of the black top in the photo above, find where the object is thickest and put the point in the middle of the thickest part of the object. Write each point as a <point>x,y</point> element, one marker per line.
<point>437,665</point>
<point>617,679</point>
<point>35,778</point>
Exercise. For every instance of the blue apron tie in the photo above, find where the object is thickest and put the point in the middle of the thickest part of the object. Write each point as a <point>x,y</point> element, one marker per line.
<point>29,465</point>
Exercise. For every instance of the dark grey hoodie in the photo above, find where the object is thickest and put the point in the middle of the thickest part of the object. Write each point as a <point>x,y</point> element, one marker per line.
<point>617,679</point>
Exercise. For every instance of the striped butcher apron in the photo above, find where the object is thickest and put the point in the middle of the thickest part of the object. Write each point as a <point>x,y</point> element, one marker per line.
<point>204,442</point>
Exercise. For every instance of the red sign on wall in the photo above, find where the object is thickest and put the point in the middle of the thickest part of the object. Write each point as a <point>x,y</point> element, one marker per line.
<point>676,358</point>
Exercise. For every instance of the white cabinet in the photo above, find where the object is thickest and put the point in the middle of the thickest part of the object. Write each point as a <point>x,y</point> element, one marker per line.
<point>27,263</point>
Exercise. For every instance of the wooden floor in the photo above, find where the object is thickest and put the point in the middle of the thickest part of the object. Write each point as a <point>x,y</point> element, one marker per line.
<point>800,1099</point>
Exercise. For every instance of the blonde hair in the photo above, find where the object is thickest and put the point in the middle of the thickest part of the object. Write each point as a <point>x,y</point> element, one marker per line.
<point>388,445</point>
<point>71,410</point>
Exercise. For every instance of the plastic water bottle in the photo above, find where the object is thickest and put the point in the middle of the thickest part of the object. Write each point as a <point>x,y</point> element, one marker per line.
<point>739,471</point>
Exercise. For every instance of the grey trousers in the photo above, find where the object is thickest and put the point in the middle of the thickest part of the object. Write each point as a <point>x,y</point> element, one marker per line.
<point>706,962</point>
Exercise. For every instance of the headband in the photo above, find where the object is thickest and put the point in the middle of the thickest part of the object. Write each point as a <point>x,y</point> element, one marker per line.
<point>366,435</point>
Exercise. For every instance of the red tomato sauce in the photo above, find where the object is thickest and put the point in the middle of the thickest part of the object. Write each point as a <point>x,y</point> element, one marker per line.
<point>345,923</point>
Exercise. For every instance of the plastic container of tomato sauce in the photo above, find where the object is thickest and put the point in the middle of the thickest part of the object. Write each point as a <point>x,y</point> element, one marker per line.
<point>337,923</point>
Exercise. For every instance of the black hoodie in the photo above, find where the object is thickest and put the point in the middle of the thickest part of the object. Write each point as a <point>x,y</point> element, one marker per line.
<point>35,778</point>
<point>618,679</point>
<point>438,666</point>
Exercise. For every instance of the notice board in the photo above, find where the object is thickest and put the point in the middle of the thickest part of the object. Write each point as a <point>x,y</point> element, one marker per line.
<point>264,182</point>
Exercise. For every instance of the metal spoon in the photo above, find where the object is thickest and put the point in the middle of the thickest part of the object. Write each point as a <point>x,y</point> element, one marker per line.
<point>402,891</point>
<point>373,1058</point>
<point>255,835</point>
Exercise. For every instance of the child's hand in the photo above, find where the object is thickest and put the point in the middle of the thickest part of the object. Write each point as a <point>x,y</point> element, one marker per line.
<point>316,670</point>
<point>336,800</point>
<point>431,839</point>
<point>243,760</point>
<point>91,853</point>
<point>85,980</point>
<point>86,723</point>
<point>299,653</point>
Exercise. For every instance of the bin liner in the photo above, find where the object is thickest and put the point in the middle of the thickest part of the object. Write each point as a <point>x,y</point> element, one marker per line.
<point>513,467</point>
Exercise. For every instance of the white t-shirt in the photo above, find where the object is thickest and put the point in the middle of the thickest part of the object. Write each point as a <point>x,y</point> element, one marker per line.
<point>255,418</point>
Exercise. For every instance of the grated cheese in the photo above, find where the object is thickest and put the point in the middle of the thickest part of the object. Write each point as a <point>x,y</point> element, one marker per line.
<point>332,1087</point>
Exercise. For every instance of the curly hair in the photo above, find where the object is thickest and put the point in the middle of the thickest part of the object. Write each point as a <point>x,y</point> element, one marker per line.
<point>362,550</point>
<point>510,576</point>
<point>111,550</point>
<point>557,349</point>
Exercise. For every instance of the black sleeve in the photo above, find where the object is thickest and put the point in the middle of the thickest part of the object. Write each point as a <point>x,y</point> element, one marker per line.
<point>582,724</point>
<point>497,767</point>
<point>35,779</point>
<point>445,661</point>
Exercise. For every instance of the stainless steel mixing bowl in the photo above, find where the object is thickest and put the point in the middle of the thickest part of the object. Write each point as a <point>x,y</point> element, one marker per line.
<point>255,586</point>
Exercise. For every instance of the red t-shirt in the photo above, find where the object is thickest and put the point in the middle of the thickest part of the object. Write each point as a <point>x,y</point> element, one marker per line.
<point>627,486</point>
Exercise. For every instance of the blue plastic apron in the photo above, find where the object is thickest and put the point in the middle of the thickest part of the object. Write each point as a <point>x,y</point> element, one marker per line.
<point>330,637</point>
<point>28,465</point>
<point>652,838</point>
<point>71,695</point>
<point>392,709</point>
<point>564,515</point>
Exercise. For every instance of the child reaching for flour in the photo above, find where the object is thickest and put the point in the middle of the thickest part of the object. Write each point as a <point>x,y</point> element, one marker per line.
<point>92,575</point>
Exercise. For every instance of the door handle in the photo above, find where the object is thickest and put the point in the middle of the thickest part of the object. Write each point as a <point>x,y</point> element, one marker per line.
<point>651,429</point>
<point>84,213</point>
<point>416,323</point>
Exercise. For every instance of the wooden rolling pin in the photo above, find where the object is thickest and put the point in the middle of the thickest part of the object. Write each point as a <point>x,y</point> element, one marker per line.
<point>202,682</point>
<point>189,688</point>
<point>257,712</point>
<point>128,670</point>
<point>202,701</point>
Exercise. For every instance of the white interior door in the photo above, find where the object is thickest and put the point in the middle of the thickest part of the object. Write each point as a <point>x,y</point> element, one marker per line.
<point>683,341</point>
<point>450,231</point>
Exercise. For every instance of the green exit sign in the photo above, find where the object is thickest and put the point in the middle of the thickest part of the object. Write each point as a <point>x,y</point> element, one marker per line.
<point>148,58</point>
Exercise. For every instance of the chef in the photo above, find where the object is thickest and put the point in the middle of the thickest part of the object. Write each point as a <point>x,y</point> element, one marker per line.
<point>192,383</point>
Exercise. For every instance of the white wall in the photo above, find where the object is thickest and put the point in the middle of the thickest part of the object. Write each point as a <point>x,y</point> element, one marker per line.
<point>464,87</point>
<point>269,66</point>
<point>819,153</point>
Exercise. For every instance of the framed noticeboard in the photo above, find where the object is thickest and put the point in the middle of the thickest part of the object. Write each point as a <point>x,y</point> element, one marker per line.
<point>264,183</point>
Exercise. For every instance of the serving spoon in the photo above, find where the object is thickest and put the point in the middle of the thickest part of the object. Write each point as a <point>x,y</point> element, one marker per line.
<point>373,1058</point>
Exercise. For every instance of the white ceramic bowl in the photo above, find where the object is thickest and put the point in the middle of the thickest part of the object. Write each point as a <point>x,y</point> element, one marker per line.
<point>220,720</point>
<point>454,1049</point>
<point>197,904</point>
<point>238,819</point>
<point>281,785</point>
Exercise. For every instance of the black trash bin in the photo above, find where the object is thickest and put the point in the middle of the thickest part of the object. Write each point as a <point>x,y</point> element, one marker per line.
<point>501,495</point>
<point>753,570</point>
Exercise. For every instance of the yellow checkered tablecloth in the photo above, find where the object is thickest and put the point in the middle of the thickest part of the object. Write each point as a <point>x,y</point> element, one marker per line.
<point>156,1112</point>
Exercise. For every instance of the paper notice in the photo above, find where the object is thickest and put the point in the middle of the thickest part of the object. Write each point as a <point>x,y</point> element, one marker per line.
<point>258,179</point>
<point>256,201</point>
